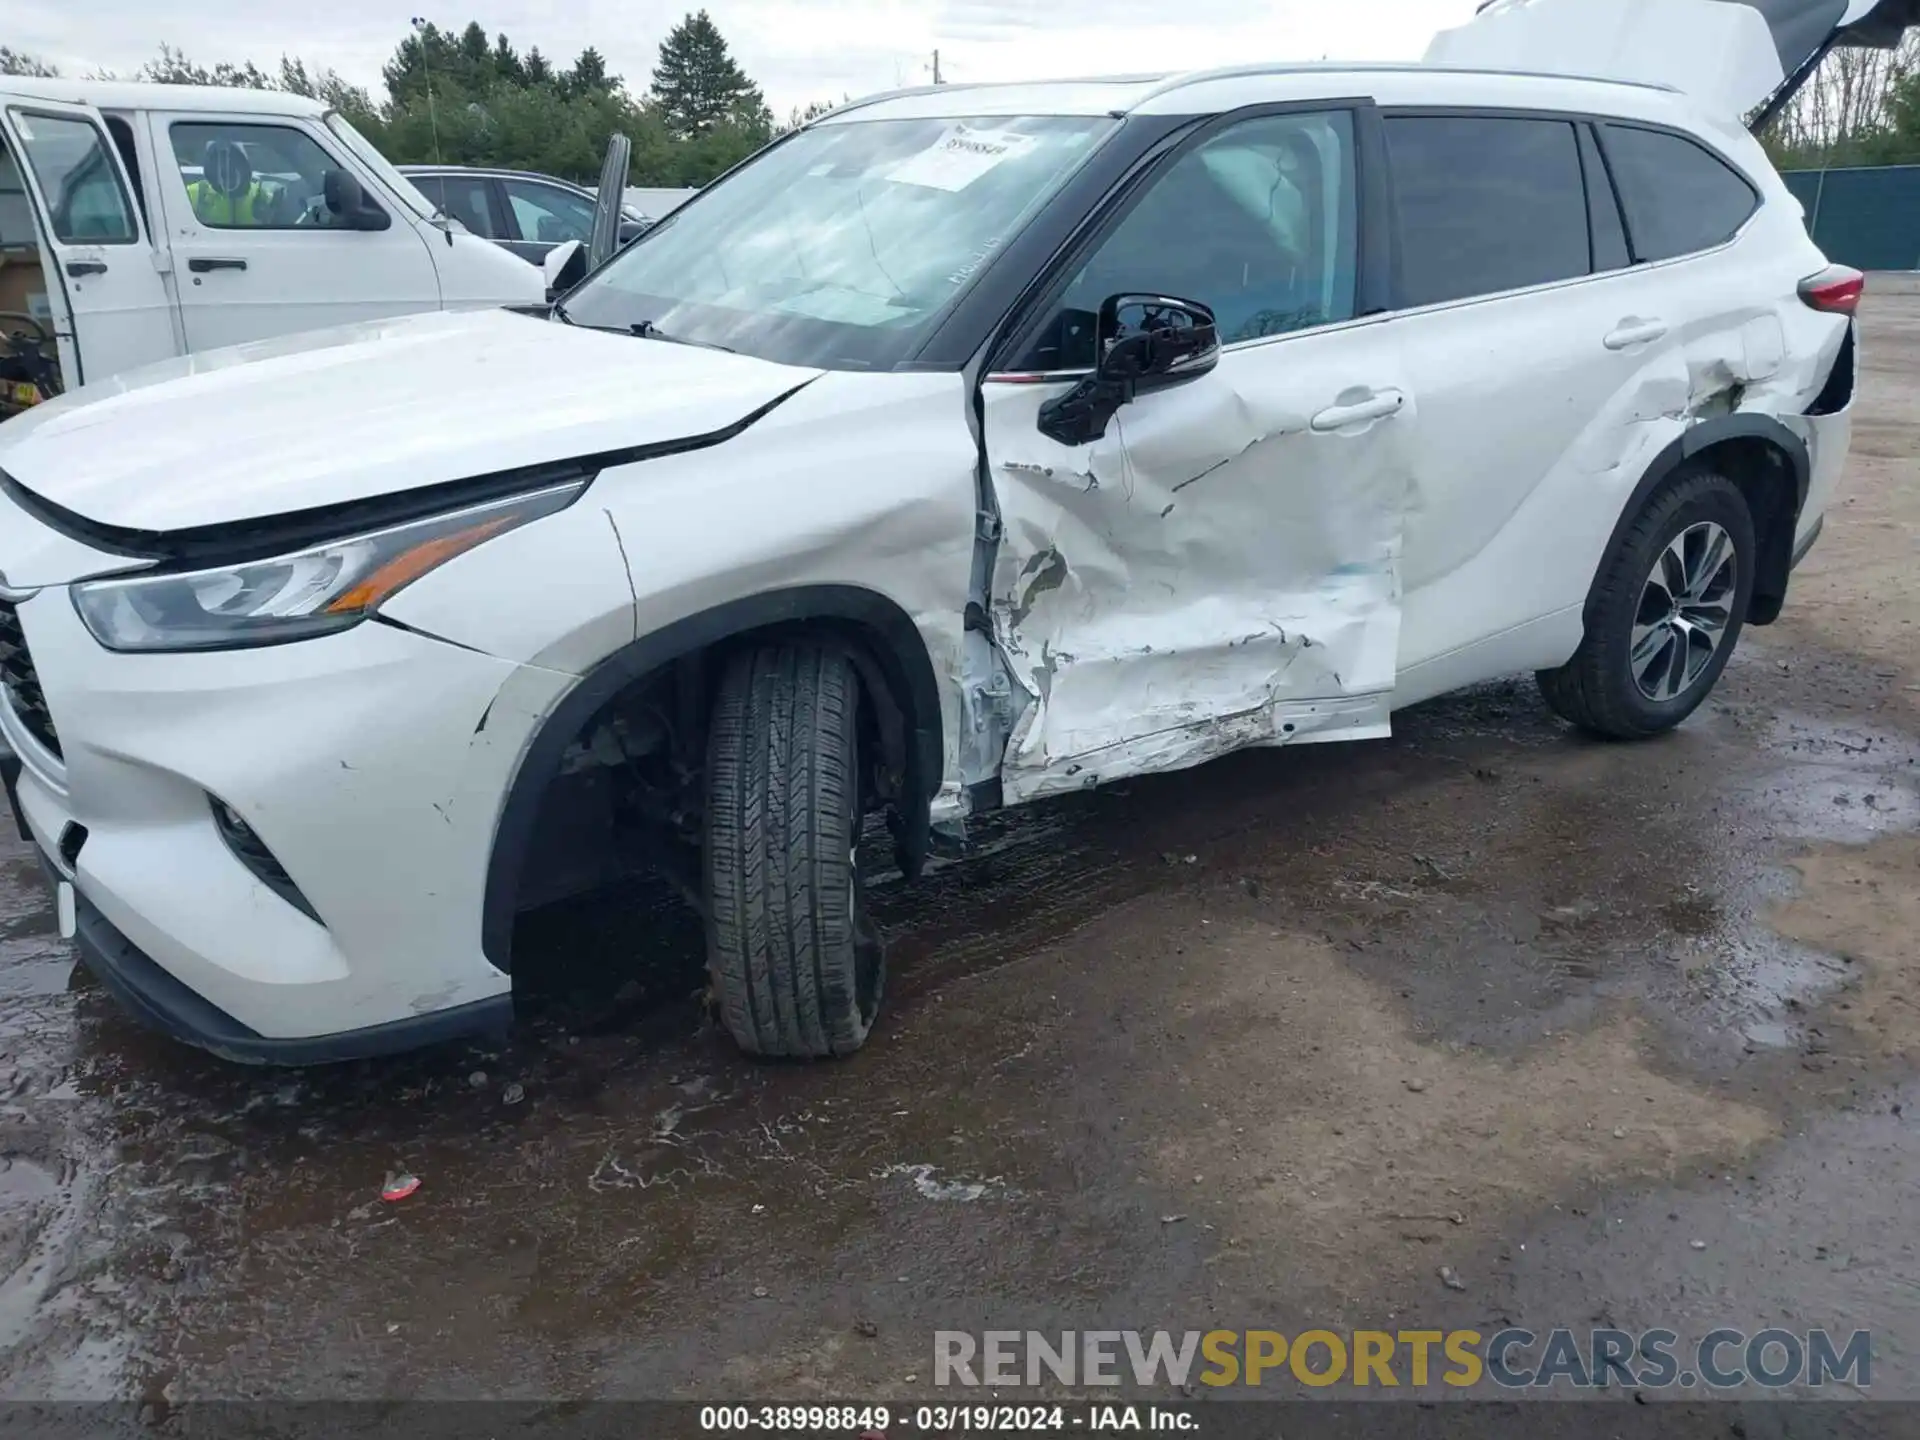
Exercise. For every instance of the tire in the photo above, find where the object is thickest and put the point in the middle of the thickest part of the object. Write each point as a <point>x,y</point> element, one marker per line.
<point>795,965</point>
<point>1609,689</point>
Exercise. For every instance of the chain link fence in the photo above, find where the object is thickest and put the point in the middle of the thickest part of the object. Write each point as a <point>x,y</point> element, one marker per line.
<point>1867,217</point>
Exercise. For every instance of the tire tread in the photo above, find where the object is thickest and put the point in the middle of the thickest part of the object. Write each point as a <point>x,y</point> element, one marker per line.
<point>783,943</point>
<point>1590,690</point>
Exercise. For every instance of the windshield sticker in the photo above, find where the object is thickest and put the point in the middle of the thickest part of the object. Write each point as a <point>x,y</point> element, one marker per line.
<point>959,157</point>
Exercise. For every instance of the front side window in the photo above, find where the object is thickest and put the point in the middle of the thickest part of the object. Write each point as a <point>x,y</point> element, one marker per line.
<point>381,167</point>
<point>254,177</point>
<point>1485,204</point>
<point>71,160</point>
<point>1679,198</point>
<point>549,214</point>
<point>845,244</point>
<point>1256,223</point>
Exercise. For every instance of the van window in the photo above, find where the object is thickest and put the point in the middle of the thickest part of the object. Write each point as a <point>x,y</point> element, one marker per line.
<point>1256,222</point>
<point>1680,197</point>
<point>253,177</point>
<point>86,203</point>
<point>122,135</point>
<point>17,230</point>
<point>1485,204</point>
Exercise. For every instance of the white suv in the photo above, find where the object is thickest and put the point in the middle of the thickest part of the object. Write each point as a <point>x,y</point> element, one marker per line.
<point>966,447</point>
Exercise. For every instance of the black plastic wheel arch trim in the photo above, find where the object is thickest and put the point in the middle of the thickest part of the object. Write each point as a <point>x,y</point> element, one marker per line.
<point>903,660</point>
<point>235,542</point>
<point>1687,447</point>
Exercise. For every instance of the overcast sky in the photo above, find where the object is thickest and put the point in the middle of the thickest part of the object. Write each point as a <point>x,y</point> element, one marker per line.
<point>798,50</point>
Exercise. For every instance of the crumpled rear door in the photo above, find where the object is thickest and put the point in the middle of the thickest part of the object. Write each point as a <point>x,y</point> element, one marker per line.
<point>1736,57</point>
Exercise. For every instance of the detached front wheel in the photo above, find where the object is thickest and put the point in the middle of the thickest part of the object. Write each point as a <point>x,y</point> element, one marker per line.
<point>795,965</point>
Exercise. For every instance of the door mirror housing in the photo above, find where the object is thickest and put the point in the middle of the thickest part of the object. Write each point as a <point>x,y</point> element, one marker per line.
<point>1143,343</point>
<point>346,198</point>
<point>564,267</point>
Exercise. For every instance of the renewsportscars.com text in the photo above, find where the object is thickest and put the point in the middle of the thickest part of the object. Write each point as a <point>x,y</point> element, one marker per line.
<point>1512,1359</point>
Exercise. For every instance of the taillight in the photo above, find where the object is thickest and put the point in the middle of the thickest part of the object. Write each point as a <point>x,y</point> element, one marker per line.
<point>1835,290</point>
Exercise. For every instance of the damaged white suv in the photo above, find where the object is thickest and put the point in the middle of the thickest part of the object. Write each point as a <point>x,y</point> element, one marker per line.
<point>968,446</point>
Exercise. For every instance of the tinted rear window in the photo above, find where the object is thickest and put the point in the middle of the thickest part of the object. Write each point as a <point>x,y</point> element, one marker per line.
<point>1485,205</point>
<point>1679,196</point>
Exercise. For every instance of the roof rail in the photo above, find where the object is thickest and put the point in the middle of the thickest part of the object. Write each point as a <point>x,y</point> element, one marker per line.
<point>865,100</point>
<point>1389,67</point>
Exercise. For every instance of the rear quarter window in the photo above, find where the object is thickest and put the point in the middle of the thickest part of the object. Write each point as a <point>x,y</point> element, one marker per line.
<point>1679,197</point>
<point>1484,205</point>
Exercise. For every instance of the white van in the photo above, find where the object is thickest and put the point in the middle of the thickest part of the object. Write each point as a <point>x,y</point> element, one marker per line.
<point>142,222</point>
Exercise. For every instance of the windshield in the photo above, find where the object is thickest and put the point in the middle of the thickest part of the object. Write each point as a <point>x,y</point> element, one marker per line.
<point>842,246</point>
<point>379,164</point>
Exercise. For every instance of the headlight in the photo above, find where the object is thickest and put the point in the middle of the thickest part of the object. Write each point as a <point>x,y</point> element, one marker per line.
<point>291,597</point>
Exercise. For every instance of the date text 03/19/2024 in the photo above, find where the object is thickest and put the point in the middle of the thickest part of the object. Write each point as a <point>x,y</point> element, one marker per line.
<point>877,1422</point>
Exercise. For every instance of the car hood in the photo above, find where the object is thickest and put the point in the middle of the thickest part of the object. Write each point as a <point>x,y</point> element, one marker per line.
<point>361,411</point>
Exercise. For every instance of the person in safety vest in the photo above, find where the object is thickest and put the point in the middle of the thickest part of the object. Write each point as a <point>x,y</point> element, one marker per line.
<point>226,192</point>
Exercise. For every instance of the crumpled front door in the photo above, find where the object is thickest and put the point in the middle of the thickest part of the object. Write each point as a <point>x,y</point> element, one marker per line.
<point>1220,570</point>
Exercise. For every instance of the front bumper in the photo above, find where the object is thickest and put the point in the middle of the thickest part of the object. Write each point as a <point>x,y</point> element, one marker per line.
<point>158,1000</point>
<point>371,763</point>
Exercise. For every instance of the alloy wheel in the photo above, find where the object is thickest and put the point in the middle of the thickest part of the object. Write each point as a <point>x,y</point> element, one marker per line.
<point>1685,608</point>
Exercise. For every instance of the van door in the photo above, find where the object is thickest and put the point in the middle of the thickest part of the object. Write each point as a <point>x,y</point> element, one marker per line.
<point>1738,58</point>
<point>257,250</point>
<point>1220,567</point>
<point>106,291</point>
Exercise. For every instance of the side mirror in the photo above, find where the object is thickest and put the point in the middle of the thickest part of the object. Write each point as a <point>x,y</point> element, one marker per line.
<point>1144,343</point>
<point>564,267</point>
<point>346,198</point>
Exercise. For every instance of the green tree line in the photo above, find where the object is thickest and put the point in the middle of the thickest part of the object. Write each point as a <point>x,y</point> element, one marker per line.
<point>456,96</point>
<point>1861,107</point>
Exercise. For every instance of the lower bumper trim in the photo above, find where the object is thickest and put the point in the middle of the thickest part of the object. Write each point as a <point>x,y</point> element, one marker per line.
<point>163,1003</point>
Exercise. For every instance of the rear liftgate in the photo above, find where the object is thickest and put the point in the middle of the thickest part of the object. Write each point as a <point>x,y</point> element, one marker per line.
<point>1743,59</point>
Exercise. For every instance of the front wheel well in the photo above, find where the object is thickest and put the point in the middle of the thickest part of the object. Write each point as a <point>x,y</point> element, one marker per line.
<point>640,716</point>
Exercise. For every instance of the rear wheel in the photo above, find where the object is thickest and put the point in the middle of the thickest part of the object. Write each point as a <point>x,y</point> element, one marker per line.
<point>795,965</point>
<point>1665,616</point>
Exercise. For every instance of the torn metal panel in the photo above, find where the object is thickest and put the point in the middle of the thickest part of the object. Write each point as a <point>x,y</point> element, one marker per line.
<point>864,480</point>
<point>1214,572</point>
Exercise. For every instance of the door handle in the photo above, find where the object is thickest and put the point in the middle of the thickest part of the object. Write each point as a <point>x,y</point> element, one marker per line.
<point>1381,406</point>
<point>201,264</point>
<point>1635,332</point>
<point>77,268</point>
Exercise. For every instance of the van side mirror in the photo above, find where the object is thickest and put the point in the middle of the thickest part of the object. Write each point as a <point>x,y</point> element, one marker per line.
<point>346,198</point>
<point>564,267</point>
<point>1144,343</point>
